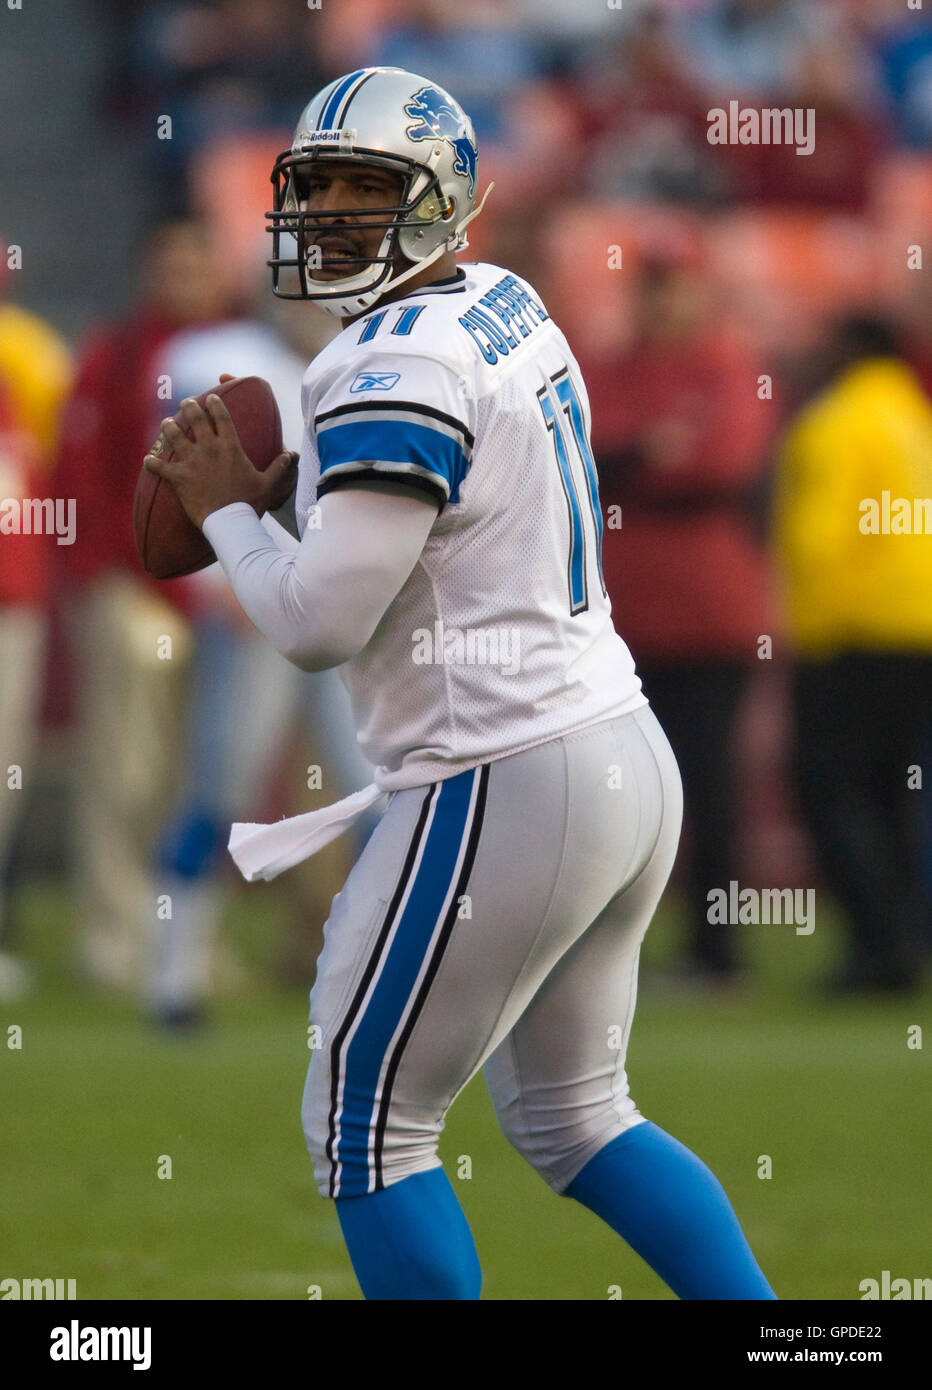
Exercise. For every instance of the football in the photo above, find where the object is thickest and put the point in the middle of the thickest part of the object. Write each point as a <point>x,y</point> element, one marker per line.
<point>169,544</point>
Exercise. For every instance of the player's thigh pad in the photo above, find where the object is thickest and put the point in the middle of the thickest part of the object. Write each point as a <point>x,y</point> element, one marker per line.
<point>463,902</point>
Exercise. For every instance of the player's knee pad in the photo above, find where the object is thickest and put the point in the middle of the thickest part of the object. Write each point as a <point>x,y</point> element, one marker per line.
<point>359,1138</point>
<point>559,1140</point>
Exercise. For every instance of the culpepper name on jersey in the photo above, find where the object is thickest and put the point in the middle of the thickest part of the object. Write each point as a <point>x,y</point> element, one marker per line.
<point>512,304</point>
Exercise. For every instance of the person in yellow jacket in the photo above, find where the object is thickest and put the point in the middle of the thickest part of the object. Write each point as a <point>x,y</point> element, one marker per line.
<point>853,530</point>
<point>35,364</point>
<point>35,372</point>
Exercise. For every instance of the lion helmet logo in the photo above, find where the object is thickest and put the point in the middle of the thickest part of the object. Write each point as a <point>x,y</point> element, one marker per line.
<point>436,119</point>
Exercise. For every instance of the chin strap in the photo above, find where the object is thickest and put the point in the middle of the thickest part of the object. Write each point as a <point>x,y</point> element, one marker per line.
<point>475,213</point>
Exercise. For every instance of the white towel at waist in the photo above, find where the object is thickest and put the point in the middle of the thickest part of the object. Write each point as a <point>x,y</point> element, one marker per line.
<point>265,851</point>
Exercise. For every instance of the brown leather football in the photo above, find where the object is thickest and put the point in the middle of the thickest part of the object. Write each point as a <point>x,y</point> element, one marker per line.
<point>169,544</point>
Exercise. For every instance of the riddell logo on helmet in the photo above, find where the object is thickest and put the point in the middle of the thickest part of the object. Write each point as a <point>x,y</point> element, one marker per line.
<point>346,138</point>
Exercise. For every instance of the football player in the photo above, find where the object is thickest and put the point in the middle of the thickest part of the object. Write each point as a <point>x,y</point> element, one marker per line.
<point>449,563</point>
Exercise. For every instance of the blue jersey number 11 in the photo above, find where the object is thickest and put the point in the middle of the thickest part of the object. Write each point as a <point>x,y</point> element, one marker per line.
<point>572,410</point>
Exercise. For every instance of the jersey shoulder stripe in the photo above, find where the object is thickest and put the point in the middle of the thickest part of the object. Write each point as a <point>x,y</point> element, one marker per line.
<point>401,448</point>
<point>393,409</point>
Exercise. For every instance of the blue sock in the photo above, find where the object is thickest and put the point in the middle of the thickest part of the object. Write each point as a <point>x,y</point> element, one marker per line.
<point>673,1211</point>
<point>411,1240</point>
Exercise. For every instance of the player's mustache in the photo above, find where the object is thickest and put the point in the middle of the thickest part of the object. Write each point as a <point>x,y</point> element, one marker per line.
<point>321,233</point>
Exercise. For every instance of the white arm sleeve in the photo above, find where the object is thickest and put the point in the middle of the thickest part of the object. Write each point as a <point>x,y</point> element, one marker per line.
<point>320,603</point>
<point>285,518</point>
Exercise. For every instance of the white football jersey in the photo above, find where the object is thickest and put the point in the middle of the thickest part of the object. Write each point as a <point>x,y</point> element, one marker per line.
<point>502,636</point>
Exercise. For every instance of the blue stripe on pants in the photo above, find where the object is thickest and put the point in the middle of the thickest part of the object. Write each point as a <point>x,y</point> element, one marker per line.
<point>390,999</point>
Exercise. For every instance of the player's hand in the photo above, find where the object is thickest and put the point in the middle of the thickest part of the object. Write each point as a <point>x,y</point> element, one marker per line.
<point>211,469</point>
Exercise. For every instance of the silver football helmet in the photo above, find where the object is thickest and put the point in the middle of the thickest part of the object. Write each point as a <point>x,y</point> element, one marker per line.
<point>399,122</point>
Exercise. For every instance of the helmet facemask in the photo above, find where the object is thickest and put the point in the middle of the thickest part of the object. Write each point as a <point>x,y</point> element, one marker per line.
<point>415,227</point>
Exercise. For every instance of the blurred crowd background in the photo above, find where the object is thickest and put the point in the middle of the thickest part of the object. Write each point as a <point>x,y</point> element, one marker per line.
<point>755,330</point>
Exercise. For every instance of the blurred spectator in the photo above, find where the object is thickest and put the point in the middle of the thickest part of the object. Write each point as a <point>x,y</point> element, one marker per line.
<point>480,53</point>
<point>34,376</point>
<point>569,37</point>
<point>130,699</point>
<point>22,645</point>
<point>917,317</point>
<point>645,120</point>
<point>36,367</point>
<point>246,702</point>
<point>214,69</point>
<point>680,438</point>
<point>750,48</point>
<point>860,611</point>
<point>903,46</point>
<point>834,82</point>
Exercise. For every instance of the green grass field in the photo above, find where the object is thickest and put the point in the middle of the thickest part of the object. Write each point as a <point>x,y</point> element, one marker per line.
<point>93,1098</point>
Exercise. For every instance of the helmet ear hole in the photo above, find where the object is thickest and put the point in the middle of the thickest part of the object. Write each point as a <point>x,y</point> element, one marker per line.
<point>450,210</point>
<point>433,207</point>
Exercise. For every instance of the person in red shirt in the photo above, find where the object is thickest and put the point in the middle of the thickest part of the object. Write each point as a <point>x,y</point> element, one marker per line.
<point>131,637</point>
<point>117,401</point>
<point>680,434</point>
